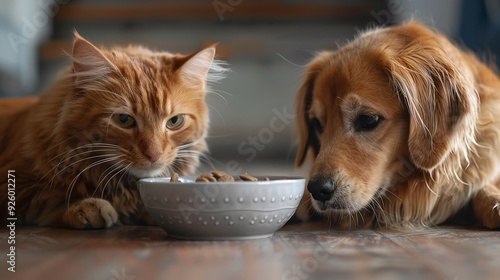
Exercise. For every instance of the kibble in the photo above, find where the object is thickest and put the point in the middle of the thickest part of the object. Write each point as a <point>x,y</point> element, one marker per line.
<point>220,176</point>
<point>201,179</point>
<point>174,178</point>
<point>246,177</point>
<point>206,177</point>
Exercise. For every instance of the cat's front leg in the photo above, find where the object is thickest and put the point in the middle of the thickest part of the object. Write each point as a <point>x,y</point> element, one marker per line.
<point>90,213</point>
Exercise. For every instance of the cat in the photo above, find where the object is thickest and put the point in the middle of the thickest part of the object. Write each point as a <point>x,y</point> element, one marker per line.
<point>113,116</point>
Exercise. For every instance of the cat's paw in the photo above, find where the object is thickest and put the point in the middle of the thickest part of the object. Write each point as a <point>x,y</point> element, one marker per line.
<point>91,213</point>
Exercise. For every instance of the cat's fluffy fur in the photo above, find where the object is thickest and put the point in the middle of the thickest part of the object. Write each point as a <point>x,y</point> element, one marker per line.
<point>76,153</point>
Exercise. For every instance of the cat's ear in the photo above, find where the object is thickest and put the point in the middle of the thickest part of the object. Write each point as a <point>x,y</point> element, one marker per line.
<point>89,63</point>
<point>195,69</point>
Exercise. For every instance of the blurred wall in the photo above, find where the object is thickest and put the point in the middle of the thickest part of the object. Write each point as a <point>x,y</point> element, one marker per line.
<point>266,43</point>
<point>444,15</point>
<point>23,26</point>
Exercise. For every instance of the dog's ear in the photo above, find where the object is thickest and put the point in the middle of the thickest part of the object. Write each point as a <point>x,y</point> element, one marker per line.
<point>307,135</point>
<point>438,91</point>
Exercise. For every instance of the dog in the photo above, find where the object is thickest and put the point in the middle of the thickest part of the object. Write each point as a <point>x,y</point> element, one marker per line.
<point>399,128</point>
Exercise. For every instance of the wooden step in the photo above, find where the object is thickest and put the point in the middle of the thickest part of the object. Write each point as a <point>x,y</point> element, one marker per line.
<point>210,11</point>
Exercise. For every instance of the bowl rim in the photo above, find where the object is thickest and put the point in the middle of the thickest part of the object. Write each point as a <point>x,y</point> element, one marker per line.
<point>190,180</point>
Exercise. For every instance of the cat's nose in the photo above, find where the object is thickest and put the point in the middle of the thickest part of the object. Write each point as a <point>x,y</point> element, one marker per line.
<point>153,155</point>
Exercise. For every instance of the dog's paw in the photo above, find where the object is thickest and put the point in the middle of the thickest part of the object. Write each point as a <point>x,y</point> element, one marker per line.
<point>487,208</point>
<point>491,219</point>
<point>91,213</point>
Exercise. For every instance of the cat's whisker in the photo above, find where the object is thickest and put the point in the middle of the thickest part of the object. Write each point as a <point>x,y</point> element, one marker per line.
<point>79,161</point>
<point>105,174</point>
<point>174,168</point>
<point>124,172</point>
<point>201,154</point>
<point>193,153</point>
<point>60,143</point>
<point>186,159</point>
<point>91,145</point>
<point>92,165</point>
<point>179,165</point>
<point>219,114</point>
<point>76,162</point>
<point>87,152</point>
<point>120,169</point>
<point>207,162</point>
<point>65,158</point>
<point>220,135</point>
<point>210,162</point>
<point>99,144</point>
<point>190,153</point>
<point>55,146</point>
<point>169,170</point>
<point>183,160</point>
<point>188,145</point>
<point>220,92</point>
<point>287,60</point>
<point>52,180</point>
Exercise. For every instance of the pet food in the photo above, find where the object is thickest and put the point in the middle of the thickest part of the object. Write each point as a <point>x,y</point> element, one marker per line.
<point>206,177</point>
<point>246,177</point>
<point>222,176</point>
<point>174,178</point>
<point>219,176</point>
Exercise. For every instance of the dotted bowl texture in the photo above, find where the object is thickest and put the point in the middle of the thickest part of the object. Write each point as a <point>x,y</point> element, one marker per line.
<point>221,210</point>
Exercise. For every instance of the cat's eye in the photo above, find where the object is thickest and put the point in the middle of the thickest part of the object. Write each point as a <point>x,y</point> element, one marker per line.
<point>176,122</point>
<point>124,120</point>
<point>364,123</point>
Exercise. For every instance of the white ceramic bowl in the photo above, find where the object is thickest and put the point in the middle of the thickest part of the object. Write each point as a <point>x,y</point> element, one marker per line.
<point>221,210</point>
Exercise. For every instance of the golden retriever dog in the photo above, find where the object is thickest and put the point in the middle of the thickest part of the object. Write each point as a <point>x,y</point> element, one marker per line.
<point>400,129</point>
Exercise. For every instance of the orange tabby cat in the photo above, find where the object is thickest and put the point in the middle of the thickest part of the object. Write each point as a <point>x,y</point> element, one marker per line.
<point>112,117</point>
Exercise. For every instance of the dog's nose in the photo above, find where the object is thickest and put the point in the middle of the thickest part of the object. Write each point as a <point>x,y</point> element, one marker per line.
<point>321,188</point>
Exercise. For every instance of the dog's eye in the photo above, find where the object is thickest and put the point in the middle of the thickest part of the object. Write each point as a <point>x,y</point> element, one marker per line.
<point>316,125</point>
<point>366,122</point>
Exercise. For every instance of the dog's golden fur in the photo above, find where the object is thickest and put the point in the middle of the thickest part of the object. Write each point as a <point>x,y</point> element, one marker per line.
<point>405,128</point>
